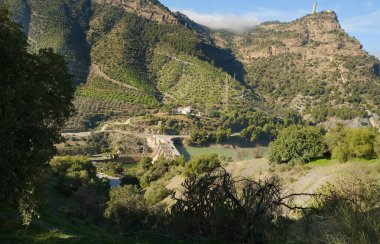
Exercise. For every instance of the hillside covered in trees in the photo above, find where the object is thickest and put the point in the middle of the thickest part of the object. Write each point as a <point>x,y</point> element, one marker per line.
<point>136,57</point>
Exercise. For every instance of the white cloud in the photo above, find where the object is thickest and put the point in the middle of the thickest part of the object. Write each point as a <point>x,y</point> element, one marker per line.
<point>241,23</point>
<point>377,54</point>
<point>232,22</point>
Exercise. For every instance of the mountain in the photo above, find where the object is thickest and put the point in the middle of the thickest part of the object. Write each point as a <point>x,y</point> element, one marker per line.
<point>133,57</point>
<point>311,65</point>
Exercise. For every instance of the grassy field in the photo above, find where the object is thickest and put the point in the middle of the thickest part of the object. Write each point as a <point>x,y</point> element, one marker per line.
<point>308,177</point>
<point>237,154</point>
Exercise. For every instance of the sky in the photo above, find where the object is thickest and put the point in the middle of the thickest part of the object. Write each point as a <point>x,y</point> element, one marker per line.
<point>360,18</point>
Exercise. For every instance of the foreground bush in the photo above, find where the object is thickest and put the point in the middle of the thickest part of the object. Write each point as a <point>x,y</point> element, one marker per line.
<point>226,208</point>
<point>349,212</point>
<point>128,211</point>
<point>75,178</point>
<point>72,172</point>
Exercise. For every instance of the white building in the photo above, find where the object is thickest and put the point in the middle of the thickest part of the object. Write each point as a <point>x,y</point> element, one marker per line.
<point>183,110</point>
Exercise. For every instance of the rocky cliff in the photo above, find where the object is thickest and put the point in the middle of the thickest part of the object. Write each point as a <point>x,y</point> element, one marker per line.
<point>149,9</point>
<point>310,64</point>
<point>316,35</point>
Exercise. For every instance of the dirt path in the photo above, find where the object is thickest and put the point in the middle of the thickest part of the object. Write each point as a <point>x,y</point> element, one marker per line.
<point>177,59</point>
<point>98,72</point>
<point>341,74</point>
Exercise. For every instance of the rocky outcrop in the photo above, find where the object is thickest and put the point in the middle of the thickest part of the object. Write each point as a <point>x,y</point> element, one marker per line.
<point>313,36</point>
<point>149,9</point>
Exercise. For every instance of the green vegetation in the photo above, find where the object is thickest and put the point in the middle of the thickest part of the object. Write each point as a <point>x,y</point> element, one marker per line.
<point>254,126</point>
<point>35,101</point>
<point>63,30</point>
<point>203,137</point>
<point>306,143</point>
<point>297,144</point>
<point>259,126</point>
<point>229,154</point>
<point>132,214</point>
<point>275,77</point>
<point>136,64</point>
<point>139,65</point>
<point>75,178</point>
<point>128,210</point>
<point>113,168</point>
<point>200,165</point>
<point>345,143</point>
<point>349,211</point>
<point>288,70</point>
<point>320,114</point>
<point>161,169</point>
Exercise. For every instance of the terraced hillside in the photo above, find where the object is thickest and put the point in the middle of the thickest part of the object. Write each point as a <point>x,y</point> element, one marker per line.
<point>132,57</point>
<point>60,25</point>
<point>135,57</point>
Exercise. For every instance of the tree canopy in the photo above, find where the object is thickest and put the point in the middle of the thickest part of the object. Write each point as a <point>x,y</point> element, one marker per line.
<point>347,143</point>
<point>297,143</point>
<point>202,164</point>
<point>35,101</point>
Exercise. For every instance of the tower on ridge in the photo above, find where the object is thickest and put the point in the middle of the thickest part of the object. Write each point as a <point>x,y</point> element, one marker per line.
<point>314,8</point>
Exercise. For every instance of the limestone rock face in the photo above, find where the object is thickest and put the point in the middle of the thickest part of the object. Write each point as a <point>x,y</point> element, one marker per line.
<point>150,9</point>
<point>316,35</point>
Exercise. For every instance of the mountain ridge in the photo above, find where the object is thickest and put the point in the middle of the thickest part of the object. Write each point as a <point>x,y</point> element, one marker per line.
<point>135,57</point>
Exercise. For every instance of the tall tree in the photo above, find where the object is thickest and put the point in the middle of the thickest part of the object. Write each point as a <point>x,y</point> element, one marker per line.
<point>35,100</point>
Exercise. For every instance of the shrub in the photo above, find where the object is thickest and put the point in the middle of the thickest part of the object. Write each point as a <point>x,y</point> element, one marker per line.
<point>145,163</point>
<point>350,209</point>
<point>75,177</point>
<point>220,206</point>
<point>155,172</point>
<point>361,142</point>
<point>297,143</point>
<point>346,143</point>
<point>341,153</point>
<point>130,180</point>
<point>72,172</point>
<point>376,146</point>
<point>156,193</point>
<point>127,208</point>
<point>201,165</point>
